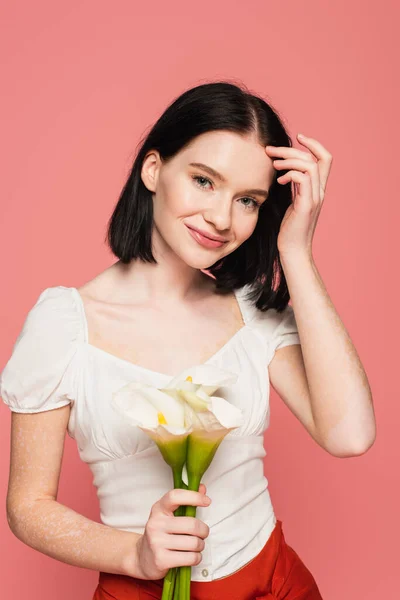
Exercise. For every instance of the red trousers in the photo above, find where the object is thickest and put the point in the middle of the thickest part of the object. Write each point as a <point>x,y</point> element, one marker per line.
<point>277,572</point>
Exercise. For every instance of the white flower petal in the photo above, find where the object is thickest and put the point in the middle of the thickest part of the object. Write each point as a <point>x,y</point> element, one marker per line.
<point>207,376</point>
<point>135,399</point>
<point>217,415</point>
<point>202,394</point>
<point>188,386</point>
<point>135,408</point>
<point>169,405</point>
<point>195,401</point>
<point>164,433</point>
<point>226,413</point>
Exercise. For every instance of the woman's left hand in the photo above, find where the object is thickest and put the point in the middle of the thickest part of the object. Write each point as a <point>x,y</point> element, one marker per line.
<point>310,178</point>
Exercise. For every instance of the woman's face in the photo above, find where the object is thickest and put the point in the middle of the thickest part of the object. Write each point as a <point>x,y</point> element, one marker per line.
<point>188,196</point>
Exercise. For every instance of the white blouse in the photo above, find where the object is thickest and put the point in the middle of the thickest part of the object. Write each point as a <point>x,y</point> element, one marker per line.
<point>52,365</point>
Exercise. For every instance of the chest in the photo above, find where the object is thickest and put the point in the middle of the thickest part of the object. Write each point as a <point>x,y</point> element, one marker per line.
<point>102,434</point>
<point>160,337</point>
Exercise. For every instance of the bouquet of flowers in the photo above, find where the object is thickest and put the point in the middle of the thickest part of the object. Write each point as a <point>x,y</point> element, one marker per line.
<point>188,424</point>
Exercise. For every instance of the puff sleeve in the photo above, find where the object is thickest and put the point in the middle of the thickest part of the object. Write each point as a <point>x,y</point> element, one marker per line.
<point>39,376</point>
<point>278,329</point>
<point>285,333</point>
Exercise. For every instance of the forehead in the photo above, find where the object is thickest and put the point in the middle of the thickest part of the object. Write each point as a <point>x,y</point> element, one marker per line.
<point>241,160</point>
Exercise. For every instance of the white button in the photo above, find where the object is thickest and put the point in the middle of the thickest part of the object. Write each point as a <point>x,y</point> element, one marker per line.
<point>204,572</point>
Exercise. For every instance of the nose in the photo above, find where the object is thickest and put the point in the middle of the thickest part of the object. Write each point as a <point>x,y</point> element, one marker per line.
<point>219,213</point>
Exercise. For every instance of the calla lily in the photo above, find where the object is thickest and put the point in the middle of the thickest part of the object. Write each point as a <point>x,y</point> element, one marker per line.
<point>212,419</point>
<point>188,424</point>
<point>163,416</point>
<point>209,426</point>
<point>168,415</point>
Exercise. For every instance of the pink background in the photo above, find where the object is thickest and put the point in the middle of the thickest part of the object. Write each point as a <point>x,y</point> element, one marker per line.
<point>82,81</point>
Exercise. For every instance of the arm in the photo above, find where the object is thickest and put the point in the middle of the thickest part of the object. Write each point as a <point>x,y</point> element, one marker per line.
<point>38,520</point>
<point>338,407</point>
<point>339,397</point>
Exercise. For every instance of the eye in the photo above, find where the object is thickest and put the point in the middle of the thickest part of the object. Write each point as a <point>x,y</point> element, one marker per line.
<point>199,178</point>
<point>255,204</point>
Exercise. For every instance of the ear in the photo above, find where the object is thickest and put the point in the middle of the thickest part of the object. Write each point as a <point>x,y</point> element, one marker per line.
<point>150,170</point>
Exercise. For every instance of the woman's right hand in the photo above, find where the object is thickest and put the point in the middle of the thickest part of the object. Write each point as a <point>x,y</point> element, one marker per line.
<point>170,541</point>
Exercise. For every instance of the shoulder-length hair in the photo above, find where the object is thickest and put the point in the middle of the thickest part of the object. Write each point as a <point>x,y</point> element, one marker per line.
<point>211,107</point>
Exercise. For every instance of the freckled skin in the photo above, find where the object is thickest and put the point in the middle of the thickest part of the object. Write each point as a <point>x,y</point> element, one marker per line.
<point>38,519</point>
<point>63,534</point>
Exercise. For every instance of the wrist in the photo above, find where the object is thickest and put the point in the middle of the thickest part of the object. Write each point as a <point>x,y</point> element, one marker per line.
<point>131,563</point>
<point>295,257</point>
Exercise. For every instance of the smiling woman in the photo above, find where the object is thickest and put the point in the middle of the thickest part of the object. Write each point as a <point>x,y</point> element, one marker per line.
<point>203,165</point>
<point>218,208</point>
<point>198,281</point>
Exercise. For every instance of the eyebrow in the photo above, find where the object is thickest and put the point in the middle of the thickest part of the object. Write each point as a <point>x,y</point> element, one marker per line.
<point>220,177</point>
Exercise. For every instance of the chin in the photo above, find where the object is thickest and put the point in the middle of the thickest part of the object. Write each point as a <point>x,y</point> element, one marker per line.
<point>197,261</point>
<point>200,264</point>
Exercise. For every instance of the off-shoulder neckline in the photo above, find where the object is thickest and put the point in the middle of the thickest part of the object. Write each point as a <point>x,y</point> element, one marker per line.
<point>245,317</point>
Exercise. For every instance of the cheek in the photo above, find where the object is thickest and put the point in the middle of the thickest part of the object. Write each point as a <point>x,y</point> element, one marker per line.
<point>244,227</point>
<point>176,197</point>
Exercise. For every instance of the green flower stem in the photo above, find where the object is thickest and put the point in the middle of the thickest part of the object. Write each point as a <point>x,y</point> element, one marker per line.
<point>169,585</point>
<point>171,579</point>
<point>186,571</point>
<point>177,590</point>
<point>201,448</point>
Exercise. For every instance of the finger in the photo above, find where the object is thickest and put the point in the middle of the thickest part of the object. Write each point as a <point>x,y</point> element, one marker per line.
<point>322,155</point>
<point>178,497</point>
<point>287,152</point>
<point>186,543</point>
<point>187,525</point>
<point>301,178</point>
<point>304,167</point>
<point>184,559</point>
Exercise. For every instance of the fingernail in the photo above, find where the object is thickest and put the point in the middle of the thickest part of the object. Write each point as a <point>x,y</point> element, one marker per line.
<point>301,135</point>
<point>207,500</point>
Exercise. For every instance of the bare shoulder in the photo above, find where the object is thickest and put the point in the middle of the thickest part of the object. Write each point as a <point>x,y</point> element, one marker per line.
<point>93,288</point>
<point>101,288</point>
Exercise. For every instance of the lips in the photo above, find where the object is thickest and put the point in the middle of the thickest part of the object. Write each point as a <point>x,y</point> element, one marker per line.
<point>207,235</point>
<point>203,240</point>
